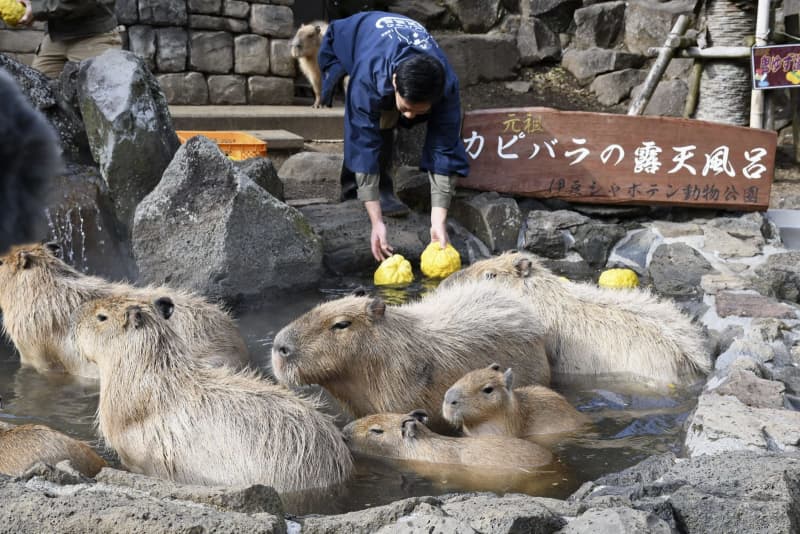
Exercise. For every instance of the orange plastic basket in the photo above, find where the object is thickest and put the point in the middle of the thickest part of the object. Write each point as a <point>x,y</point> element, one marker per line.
<point>235,145</point>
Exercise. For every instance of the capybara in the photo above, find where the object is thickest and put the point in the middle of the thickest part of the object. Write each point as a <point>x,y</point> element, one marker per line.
<point>39,293</point>
<point>484,403</point>
<point>406,437</point>
<point>30,160</point>
<point>592,330</point>
<point>22,446</point>
<point>376,358</point>
<point>305,48</point>
<point>169,416</point>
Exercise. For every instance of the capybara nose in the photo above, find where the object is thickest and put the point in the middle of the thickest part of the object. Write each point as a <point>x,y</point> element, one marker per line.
<point>284,349</point>
<point>451,397</point>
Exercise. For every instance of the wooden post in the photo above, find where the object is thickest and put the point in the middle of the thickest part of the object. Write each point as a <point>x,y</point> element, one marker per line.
<point>757,96</point>
<point>792,23</point>
<point>657,70</point>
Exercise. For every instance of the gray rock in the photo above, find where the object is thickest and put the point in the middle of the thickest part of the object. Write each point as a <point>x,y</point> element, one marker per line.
<point>236,8</point>
<point>188,88</point>
<point>422,523</point>
<point>750,304</point>
<point>615,87</point>
<point>715,283</point>
<point>599,25</point>
<point>668,99</point>
<point>365,521</point>
<point>280,57</point>
<point>519,86</point>
<point>246,499</point>
<point>210,7</point>
<point>536,42</point>
<point>480,57</point>
<point>209,22</point>
<point>634,250</point>
<point>557,14</point>
<point>648,470</point>
<point>62,474</point>
<point>159,13</point>
<point>476,16</point>
<point>128,125</point>
<point>142,42</point>
<point>272,21</point>
<point>743,347</point>
<point>750,389</point>
<point>586,64</point>
<point>262,172</point>
<point>425,12</point>
<point>495,220</point>
<point>270,90</point>
<point>677,269</point>
<point>209,228</point>
<point>616,521</point>
<point>548,233</point>
<point>648,22</point>
<point>127,11</point>
<point>227,89</point>
<point>312,175</point>
<point>679,68</point>
<point>722,423</point>
<point>251,54</point>
<point>675,229</point>
<point>172,49</point>
<point>746,226</point>
<point>508,514</point>
<point>413,187</point>
<point>727,246</point>
<point>211,52</point>
<point>779,276</point>
<point>595,241</point>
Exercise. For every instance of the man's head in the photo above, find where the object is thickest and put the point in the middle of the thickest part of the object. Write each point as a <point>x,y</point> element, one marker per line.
<point>418,83</point>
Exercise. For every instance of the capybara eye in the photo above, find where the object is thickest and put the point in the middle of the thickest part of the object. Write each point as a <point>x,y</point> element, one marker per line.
<point>101,317</point>
<point>376,430</point>
<point>488,389</point>
<point>341,325</point>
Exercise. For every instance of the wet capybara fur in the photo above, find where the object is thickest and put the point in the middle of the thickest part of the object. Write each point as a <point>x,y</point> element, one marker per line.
<point>484,403</point>
<point>376,358</point>
<point>30,160</point>
<point>23,446</point>
<point>39,293</point>
<point>407,437</point>
<point>169,416</point>
<point>595,331</point>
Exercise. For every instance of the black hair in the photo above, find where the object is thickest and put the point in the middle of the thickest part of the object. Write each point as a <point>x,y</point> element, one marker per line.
<point>420,78</point>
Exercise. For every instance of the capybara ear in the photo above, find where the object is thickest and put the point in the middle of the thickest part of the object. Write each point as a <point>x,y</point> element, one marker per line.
<point>24,259</point>
<point>165,307</point>
<point>360,291</point>
<point>317,29</point>
<point>54,248</point>
<point>494,367</point>
<point>410,428</point>
<point>420,415</point>
<point>508,376</point>
<point>376,308</point>
<point>523,267</point>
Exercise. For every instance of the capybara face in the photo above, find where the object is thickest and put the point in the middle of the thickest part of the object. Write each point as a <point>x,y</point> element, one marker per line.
<point>391,435</point>
<point>110,327</point>
<point>478,396</point>
<point>318,347</point>
<point>306,41</point>
<point>27,265</point>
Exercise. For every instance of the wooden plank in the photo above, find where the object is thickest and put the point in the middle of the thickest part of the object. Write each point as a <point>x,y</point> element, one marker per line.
<point>618,159</point>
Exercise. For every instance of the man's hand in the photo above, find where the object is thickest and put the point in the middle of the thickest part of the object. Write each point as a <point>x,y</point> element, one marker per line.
<point>439,226</point>
<point>381,249</point>
<point>27,18</point>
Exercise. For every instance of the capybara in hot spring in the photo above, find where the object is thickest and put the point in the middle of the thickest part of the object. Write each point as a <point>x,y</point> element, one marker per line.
<point>593,331</point>
<point>484,403</point>
<point>39,293</point>
<point>23,446</point>
<point>168,416</point>
<point>374,357</point>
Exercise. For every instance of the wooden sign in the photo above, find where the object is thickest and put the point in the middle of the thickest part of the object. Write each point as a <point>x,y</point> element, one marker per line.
<point>618,159</point>
<point>775,67</point>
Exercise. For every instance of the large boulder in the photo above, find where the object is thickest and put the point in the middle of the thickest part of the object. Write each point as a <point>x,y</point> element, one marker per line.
<point>668,100</point>
<point>586,64</point>
<point>208,227</point>
<point>476,16</point>
<point>648,22</point>
<point>495,220</point>
<point>478,58</point>
<point>599,25</point>
<point>677,269</point>
<point>536,42</point>
<point>557,14</point>
<point>128,124</point>
<point>779,276</point>
<point>308,175</point>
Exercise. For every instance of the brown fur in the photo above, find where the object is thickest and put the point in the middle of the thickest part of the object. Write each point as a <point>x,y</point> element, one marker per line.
<point>39,293</point>
<point>483,403</point>
<point>171,417</point>
<point>593,331</point>
<point>305,48</point>
<point>23,446</point>
<point>376,358</point>
<point>406,437</point>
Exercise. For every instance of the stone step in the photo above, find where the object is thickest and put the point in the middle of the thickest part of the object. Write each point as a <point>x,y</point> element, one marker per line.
<point>309,123</point>
<point>278,139</point>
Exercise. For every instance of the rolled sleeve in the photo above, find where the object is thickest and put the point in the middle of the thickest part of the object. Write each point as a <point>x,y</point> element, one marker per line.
<point>368,186</point>
<point>442,189</point>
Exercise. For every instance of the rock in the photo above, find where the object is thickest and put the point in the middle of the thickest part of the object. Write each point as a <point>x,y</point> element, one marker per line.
<point>236,8</point>
<point>211,52</point>
<point>272,21</point>
<point>744,347</point>
<point>127,11</point>
<point>548,233</point>
<point>251,54</point>
<point>669,229</point>
<point>715,283</point>
<point>227,90</point>
<point>142,42</point>
<point>262,172</point>
<point>159,13</point>
<point>750,389</point>
<point>571,266</point>
<point>422,523</point>
<point>68,124</point>
<point>668,99</point>
<point>779,276</point>
<point>536,42</point>
<point>312,175</point>
<point>519,86</point>
<point>280,57</point>
<point>413,187</point>
<point>586,64</point>
<point>727,246</point>
<point>246,499</point>
<point>634,249</point>
<point>722,423</point>
<point>210,7</point>
<point>676,269</point>
<point>679,68</point>
<point>171,49</point>
<point>206,22</point>
<point>557,14</point>
<point>423,11</point>
<point>188,88</point>
<point>648,22</point>
<point>62,474</point>
<point>369,520</point>
<point>269,90</point>
<point>495,220</point>
<point>128,124</point>
<point>480,57</point>
<point>752,305</point>
<point>476,16</point>
<point>508,514</point>
<point>209,228</point>
<point>616,520</point>
<point>599,25</point>
<point>615,87</point>
<point>595,241</point>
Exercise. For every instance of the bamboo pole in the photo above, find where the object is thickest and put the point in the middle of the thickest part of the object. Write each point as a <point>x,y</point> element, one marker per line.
<point>694,89</point>
<point>712,52</point>
<point>639,103</point>
<point>757,96</point>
